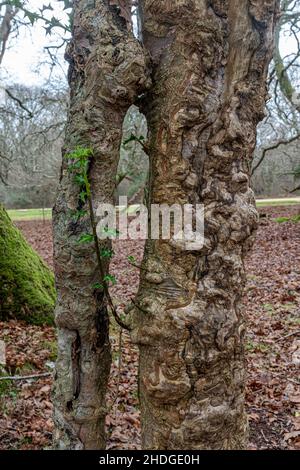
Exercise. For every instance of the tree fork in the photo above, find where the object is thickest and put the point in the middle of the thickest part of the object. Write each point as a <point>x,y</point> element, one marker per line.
<point>210,62</point>
<point>108,70</point>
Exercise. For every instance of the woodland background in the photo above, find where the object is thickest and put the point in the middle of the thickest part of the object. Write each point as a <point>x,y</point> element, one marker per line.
<point>33,111</point>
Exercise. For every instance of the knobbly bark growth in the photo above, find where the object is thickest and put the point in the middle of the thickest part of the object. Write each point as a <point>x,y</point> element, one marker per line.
<point>210,62</point>
<point>107,72</point>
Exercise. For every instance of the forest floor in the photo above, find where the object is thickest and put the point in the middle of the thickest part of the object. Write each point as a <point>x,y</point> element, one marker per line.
<point>272,309</point>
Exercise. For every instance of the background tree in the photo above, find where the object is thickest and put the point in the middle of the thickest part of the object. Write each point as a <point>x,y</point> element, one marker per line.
<point>31,135</point>
<point>133,166</point>
<point>27,285</point>
<point>277,152</point>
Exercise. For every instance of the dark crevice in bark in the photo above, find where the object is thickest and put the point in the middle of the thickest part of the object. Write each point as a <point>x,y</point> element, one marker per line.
<point>76,365</point>
<point>119,13</point>
<point>118,20</point>
<point>70,406</point>
<point>102,323</point>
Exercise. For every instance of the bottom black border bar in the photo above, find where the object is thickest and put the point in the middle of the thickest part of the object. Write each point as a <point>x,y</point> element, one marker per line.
<point>138,459</point>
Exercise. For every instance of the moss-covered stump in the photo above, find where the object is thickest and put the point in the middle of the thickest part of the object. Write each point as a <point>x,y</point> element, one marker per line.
<point>26,284</point>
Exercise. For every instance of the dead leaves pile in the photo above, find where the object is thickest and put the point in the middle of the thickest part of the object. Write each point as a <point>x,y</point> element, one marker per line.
<point>271,304</point>
<point>25,407</point>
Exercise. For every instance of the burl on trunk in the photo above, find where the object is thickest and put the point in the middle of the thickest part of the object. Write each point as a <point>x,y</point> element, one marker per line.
<point>210,63</point>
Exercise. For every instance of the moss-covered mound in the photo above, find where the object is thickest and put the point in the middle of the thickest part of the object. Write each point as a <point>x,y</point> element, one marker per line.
<point>26,284</point>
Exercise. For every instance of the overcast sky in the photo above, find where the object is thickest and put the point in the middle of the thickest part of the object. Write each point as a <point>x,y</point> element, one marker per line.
<point>23,61</point>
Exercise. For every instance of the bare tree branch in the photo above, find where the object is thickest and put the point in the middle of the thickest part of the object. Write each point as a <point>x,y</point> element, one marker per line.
<point>273,147</point>
<point>17,100</point>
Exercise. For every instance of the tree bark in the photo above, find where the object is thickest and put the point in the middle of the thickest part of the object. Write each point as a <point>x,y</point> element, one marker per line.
<point>210,62</point>
<point>107,72</point>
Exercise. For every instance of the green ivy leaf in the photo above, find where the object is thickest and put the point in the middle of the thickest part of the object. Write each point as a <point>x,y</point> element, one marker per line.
<point>48,30</point>
<point>133,138</point>
<point>46,7</point>
<point>79,179</point>
<point>77,165</point>
<point>76,215</point>
<point>80,153</point>
<point>83,196</point>
<point>17,3</point>
<point>107,253</point>
<point>97,286</point>
<point>86,238</point>
<point>67,4</point>
<point>111,232</point>
<point>131,259</point>
<point>110,278</point>
<point>31,16</point>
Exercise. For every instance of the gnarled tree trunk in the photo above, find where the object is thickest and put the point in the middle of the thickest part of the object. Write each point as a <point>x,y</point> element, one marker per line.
<point>210,62</point>
<point>107,72</point>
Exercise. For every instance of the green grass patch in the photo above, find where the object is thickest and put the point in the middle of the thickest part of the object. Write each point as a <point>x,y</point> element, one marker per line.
<point>256,347</point>
<point>281,220</point>
<point>8,389</point>
<point>37,214</point>
<point>277,202</point>
<point>30,214</point>
<point>269,308</point>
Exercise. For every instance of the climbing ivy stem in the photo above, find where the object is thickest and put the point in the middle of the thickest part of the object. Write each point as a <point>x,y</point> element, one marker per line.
<point>99,260</point>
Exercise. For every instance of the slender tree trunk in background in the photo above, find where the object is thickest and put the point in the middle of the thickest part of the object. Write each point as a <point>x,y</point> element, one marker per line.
<point>5,29</point>
<point>107,72</point>
<point>210,62</point>
<point>282,72</point>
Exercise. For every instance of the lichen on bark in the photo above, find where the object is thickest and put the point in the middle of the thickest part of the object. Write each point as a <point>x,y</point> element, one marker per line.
<point>26,283</point>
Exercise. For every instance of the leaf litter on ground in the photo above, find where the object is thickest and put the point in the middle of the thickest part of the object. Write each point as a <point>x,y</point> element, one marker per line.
<point>272,309</point>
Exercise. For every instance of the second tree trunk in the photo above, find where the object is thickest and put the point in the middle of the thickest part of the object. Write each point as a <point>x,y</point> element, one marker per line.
<point>210,62</point>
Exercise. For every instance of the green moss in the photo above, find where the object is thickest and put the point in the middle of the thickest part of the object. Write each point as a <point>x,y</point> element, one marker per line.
<point>26,284</point>
<point>269,308</point>
<point>52,348</point>
<point>8,389</point>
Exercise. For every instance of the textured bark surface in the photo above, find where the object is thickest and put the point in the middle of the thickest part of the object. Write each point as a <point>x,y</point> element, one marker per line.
<point>210,61</point>
<point>107,72</point>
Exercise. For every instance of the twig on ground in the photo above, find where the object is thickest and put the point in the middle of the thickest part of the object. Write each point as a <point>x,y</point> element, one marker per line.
<point>26,377</point>
<point>294,333</point>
